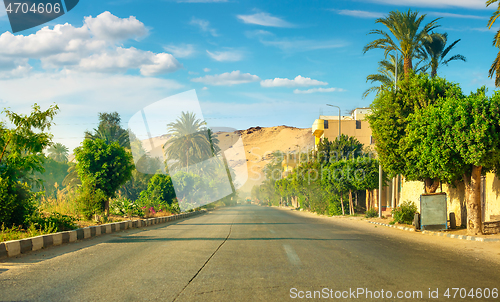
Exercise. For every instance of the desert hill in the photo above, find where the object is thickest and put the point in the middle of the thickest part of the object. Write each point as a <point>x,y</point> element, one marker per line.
<point>259,143</point>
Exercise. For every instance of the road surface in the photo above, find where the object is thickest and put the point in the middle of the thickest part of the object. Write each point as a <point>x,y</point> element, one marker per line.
<point>251,253</point>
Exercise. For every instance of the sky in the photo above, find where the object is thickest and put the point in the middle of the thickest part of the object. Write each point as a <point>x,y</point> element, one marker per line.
<point>250,63</point>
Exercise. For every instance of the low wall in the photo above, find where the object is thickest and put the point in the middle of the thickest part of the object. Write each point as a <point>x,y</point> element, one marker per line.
<point>491,227</point>
<point>15,247</point>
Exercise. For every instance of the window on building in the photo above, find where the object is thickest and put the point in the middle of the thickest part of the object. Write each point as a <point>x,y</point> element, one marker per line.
<point>326,124</point>
<point>372,140</point>
<point>358,124</point>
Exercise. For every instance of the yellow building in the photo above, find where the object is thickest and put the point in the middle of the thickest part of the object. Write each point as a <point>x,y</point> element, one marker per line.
<point>290,161</point>
<point>354,125</point>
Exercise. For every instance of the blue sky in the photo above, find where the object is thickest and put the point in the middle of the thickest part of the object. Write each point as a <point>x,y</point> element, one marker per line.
<point>251,63</point>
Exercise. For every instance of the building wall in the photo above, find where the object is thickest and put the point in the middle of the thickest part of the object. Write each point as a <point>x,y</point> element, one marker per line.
<point>455,196</point>
<point>492,196</point>
<point>363,135</point>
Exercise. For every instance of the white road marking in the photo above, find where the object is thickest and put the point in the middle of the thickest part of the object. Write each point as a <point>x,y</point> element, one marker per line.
<point>292,256</point>
<point>272,231</point>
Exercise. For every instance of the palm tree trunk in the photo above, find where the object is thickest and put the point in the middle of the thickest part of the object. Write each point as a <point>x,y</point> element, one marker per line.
<point>408,65</point>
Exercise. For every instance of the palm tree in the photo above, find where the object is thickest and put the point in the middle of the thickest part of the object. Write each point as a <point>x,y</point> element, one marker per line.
<point>191,141</point>
<point>72,180</point>
<point>495,67</point>
<point>58,152</point>
<point>109,130</point>
<point>405,29</point>
<point>436,51</point>
<point>386,74</point>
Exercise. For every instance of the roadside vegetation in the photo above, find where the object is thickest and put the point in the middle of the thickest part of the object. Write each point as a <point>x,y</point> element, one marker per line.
<point>326,181</point>
<point>426,128</point>
<point>41,192</point>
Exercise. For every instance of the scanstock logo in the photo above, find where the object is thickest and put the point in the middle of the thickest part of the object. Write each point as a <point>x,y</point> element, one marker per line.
<point>27,14</point>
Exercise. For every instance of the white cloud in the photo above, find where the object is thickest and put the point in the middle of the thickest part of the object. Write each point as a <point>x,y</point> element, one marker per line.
<point>161,63</point>
<point>293,45</point>
<point>264,19</point>
<point>18,71</point>
<point>358,13</point>
<point>205,88</point>
<point>313,90</point>
<point>204,25</point>
<point>80,96</point>
<point>111,28</point>
<point>299,81</point>
<point>206,69</point>
<point>298,45</point>
<point>474,4</point>
<point>181,51</point>
<point>450,15</point>
<point>227,78</point>
<point>479,29</point>
<point>95,46</point>
<point>226,56</point>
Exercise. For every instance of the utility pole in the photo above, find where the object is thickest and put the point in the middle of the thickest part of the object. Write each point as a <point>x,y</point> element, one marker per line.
<point>339,118</point>
<point>380,190</point>
<point>396,73</point>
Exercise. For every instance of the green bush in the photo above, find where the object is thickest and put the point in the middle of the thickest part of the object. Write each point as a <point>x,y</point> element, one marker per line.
<point>91,201</point>
<point>123,206</point>
<point>160,194</point>
<point>17,232</point>
<point>55,221</point>
<point>335,208</point>
<point>405,212</point>
<point>17,203</point>
<point>371,213</point>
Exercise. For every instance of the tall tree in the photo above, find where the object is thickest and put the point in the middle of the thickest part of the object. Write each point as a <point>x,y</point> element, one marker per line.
<point>459,140</point>
<point>495,66</point>
<point>110,130</point>
<point>436,52</point>
<point>347,147</point>
<point>103,167</point>
<point>386,74</point>
<point>58,152</point>
<point>390,118</point>
<point>20,157</point>
<point>191,141</point>
<point>408,39</point>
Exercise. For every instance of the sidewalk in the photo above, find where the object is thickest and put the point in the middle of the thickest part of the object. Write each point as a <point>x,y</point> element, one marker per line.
<point>450,233</point>
<point>460,234</point>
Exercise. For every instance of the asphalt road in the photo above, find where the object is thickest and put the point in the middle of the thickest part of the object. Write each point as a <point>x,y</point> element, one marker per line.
<point>250,253</point>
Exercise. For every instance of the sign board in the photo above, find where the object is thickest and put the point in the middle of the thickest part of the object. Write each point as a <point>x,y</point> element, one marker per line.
<point>433,210</point>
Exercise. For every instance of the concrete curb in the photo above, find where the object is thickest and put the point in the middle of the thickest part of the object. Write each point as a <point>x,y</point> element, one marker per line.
<point>463,237</point>
<point>16,247</point>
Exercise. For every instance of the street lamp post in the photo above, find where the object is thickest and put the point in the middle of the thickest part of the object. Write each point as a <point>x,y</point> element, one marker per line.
<point>396,73</point>
<point>339,118</point>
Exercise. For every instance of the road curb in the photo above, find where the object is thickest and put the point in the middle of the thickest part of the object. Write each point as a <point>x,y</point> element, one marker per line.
<point>14,248</point>
<point>441,234</point>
